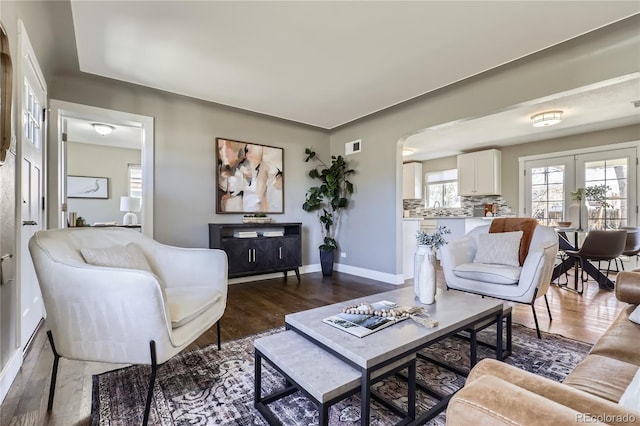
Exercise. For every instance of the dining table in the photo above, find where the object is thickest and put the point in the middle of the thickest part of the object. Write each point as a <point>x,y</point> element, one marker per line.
<point>572,262</point>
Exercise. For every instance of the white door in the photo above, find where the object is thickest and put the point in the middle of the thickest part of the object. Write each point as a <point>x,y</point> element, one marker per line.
<point>548,184</point>
<point>32,101</point>
<point>616,169</point>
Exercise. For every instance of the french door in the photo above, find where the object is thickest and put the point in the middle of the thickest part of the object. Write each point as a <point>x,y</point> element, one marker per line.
<point>616,169</point>
<point>550,181</point>
<point>547,187</point>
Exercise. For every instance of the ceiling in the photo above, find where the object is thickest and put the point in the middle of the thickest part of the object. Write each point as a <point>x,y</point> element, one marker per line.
<point>123,136</point>
<point>327,63</point>
<point>601,106</point>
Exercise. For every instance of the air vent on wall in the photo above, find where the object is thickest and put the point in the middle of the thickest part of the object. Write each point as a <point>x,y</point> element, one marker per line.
<point>636,103</point>
<point>353,147</point>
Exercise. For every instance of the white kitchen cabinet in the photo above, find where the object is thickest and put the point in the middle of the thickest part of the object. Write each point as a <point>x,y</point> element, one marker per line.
<point>479,173</point>
<point>412,181</point>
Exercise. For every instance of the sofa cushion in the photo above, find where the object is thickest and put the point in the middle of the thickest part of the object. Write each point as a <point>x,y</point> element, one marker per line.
<point>501,248</point>
<point>130,256</point>
<point>186,303</point>
<point>490,273</point>
<point>631,397</point>
<point>602,376</point>
<point>635,315</point>
<point>620,341</point>
<point>525,224</point>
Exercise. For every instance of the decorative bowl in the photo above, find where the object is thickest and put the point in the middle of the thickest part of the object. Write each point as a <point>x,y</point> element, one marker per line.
<point>564,224</point>
<point>256,220</point>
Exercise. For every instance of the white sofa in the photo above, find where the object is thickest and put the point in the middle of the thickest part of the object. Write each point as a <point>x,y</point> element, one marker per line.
<point>523,284</point>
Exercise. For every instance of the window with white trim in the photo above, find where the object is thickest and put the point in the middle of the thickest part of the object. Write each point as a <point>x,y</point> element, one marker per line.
<point>442,189</point>
<point>135,180</point>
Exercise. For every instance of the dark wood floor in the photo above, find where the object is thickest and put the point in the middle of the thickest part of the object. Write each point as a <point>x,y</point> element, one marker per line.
<point>259,306</point>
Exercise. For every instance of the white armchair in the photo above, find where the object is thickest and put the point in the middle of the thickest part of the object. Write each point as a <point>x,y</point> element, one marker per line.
<point>144,305</point>
<point>522,284</point>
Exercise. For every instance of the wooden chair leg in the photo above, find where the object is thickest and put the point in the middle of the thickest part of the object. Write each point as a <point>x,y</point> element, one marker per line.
<point>54,371</point>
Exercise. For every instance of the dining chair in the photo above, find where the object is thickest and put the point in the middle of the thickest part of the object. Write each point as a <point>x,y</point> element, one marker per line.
<point>632,246</point>
<point>598,246</point>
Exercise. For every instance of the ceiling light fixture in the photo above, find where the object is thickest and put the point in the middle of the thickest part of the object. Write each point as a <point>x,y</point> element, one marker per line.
<point>103,129</point>
<point>547,118</point>
<point>407,151</point>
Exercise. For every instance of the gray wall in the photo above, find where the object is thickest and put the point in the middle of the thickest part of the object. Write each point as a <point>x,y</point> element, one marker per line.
<point>101,161</point>
<point>185,132</point>
<point>374,232</point>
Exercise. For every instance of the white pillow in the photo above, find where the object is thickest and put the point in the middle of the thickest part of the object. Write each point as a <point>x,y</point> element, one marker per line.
<point>128,257</point>
<point>635,315</point>
<point>502,248</point>
<point>631,397</point>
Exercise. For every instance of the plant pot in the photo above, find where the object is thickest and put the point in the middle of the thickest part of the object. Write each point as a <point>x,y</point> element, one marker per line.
<point>326,262</point>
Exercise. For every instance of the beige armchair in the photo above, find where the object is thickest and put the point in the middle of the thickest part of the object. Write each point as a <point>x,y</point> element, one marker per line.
<point>114,295</point>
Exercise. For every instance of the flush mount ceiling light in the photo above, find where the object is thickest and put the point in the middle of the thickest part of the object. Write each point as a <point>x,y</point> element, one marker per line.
<point>547,118</point>
<point>103,129</point>
<point>407,151</point>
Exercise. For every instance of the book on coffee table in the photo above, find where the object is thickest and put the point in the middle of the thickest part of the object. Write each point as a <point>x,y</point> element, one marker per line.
<point>363,324</point>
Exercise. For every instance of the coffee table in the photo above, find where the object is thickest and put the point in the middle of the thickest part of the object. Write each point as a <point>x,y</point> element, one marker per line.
<point>455,311</point>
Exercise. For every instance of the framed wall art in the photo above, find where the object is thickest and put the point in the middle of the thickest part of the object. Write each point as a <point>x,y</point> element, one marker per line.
<point>249,177</point>
<point>87,187</point>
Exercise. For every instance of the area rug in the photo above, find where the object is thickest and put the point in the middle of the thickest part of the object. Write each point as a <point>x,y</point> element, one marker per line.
<point>211,387</point>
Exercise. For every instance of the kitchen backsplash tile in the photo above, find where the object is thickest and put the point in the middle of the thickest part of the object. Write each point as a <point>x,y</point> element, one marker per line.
<point>417,209</point>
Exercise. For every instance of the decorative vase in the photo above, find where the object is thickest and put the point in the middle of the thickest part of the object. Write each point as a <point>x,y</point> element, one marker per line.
<point>424,274</point>
<point>326,262</point>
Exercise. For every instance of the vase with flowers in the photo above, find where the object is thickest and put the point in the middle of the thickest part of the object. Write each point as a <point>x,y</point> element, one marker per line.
<point>424,277</point>
<point>595,193</point>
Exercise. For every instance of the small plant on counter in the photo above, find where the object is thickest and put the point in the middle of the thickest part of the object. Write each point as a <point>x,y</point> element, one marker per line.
<point>434,240</point>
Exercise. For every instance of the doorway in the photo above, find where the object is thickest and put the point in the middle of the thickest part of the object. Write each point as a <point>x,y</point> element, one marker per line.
<point>70,118</point>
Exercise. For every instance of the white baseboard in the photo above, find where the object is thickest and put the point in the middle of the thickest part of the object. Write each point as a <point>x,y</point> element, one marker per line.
<point>9,373</point>
<point>396,279</point>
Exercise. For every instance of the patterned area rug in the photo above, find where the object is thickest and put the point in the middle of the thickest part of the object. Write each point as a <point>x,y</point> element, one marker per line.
<point>211,387</point>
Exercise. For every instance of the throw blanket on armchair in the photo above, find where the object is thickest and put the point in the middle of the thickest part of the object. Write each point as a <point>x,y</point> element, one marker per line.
<point>511,224</point>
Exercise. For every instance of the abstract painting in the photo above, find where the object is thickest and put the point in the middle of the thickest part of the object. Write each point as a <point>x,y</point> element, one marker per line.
<point>87,187</point>
<point>250,177</point>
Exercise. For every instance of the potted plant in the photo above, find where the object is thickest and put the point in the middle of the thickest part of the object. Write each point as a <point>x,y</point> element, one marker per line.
<point>424,276</point>
<point>328,200</point>
<point>596,193</point>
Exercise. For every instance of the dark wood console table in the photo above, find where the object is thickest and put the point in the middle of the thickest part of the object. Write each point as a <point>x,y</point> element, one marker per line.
<point>258,254</point>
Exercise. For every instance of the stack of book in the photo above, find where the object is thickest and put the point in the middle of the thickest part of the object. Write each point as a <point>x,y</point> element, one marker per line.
<point>245,234</point>
<point>273,233</point>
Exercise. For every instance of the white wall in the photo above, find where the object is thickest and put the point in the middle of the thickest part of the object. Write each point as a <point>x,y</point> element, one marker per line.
<point>100,161</point>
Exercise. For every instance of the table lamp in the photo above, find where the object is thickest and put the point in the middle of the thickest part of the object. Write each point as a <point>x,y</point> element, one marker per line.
<point>130,205</point>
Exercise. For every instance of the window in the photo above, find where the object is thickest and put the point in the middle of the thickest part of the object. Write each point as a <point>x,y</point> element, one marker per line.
<point>32,116</point>
<point>135,180</point>
<point>613,173</point>
<point>547,193</point>
<point>550,181</point>
<point>442,189</point>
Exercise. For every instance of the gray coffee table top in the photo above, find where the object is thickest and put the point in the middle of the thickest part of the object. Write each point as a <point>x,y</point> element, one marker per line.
<point>454,311</point>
